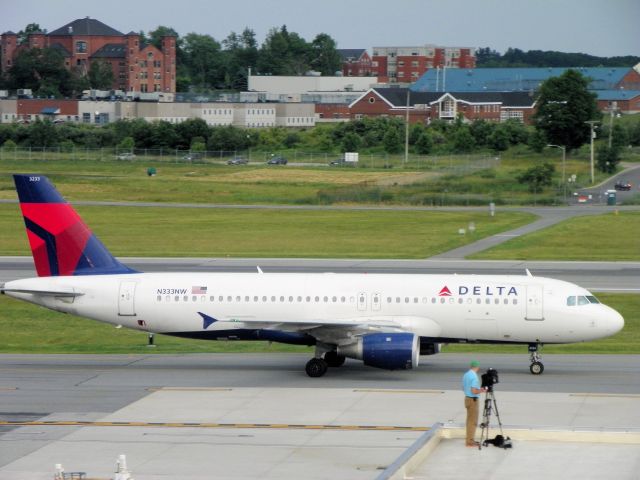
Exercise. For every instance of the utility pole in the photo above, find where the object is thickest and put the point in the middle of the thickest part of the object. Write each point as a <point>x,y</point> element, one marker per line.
<point>406,129</point>
<point>592,125</point>
<point>612,107</point>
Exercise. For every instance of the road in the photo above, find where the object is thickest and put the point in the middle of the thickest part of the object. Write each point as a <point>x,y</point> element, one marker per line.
<point>597,276</point>
<point>630,174</point>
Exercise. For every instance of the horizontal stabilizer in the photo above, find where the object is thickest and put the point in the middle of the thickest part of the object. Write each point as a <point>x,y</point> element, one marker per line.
<point>44,293</point>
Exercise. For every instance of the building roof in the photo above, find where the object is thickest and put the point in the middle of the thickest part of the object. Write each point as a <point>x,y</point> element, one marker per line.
<point>61,48</point>
<point>9,32</point>
<point>350,53</point>
<point>86,26</point>
<point>397,97</point>
<point>511,79</point>
<point>617,94</point>
<point>111,50</point>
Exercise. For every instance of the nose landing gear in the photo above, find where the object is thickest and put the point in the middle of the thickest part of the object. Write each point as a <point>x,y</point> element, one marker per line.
<point>536,367</point>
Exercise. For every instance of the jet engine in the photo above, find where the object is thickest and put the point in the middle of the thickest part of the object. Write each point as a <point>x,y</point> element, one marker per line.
<point>391,351</point>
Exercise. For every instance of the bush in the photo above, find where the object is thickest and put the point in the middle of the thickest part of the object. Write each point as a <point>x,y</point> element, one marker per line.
<point>67,146</point>
<point>9,145</point>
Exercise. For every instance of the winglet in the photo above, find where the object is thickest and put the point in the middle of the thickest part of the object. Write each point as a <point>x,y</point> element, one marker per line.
<point>207,321</point>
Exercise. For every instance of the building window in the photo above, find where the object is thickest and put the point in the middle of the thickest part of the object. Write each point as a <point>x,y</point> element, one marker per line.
<point>81,47</point>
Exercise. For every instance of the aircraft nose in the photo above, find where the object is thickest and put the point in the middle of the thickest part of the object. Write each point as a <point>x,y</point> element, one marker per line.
<point>615,322</point>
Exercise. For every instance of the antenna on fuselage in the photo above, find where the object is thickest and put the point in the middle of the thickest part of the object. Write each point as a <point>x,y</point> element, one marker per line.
<point>528,272</point>
<point>259,269</point>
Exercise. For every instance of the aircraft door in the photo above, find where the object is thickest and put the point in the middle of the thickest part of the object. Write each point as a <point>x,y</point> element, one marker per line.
<point>375,302</point>
<point>534,303</point>
<point>362,302</point>
<point>126,299</point>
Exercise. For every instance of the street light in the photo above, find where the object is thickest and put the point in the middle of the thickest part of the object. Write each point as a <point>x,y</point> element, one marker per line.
<point>564,159</point>
<point>592,124</point>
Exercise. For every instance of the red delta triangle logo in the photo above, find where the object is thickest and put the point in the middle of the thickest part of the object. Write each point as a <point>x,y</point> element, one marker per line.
<point>445,292</point>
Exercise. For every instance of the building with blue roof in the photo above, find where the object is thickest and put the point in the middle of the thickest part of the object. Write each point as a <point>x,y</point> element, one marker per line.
<point>520,79</point>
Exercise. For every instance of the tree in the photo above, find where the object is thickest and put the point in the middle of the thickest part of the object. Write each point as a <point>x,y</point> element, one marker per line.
<point>283,53</point>
<point>37,68</point>
<point>537,177</point>
<point>351,142</point>
<point>42,134</point>
<point>100,75</point>
<point>23,35</point>
<point>564,105</point>
<point>424,144</point>
<point>203,59</point>
<point>127,144</point>
<point>499,139</point>
<point>537,141</point>
<point>392,141</point>
<point>608,158</point>
<point>462,140</point>
<point>323,55</point>
<point>155,36</point>
<point>241,53</point>
<point>634,134</point>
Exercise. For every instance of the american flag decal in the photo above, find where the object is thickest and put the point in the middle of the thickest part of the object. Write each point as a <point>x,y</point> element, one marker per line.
<point>198,290</point>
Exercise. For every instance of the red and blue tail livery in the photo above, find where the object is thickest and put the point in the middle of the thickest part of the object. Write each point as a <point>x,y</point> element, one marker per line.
<point>60,241</point>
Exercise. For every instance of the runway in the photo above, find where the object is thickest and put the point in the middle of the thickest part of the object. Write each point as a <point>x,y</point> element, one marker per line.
<point>596,276</point>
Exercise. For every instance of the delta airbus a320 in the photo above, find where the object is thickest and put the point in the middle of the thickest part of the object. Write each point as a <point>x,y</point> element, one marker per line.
<point>386,320</point>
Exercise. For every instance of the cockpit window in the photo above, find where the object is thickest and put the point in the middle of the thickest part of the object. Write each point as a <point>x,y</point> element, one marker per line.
<point>583,301</point>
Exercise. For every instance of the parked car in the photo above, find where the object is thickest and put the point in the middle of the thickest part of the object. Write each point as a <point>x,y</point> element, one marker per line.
<point>126,156</point>
<point>238,161</point>
<point>192,156</point>
<point>338,162</point>
<point>277,160</point>
<point>622,185</point>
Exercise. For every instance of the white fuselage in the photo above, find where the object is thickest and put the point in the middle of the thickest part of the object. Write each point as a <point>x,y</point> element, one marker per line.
<point>445,308</point>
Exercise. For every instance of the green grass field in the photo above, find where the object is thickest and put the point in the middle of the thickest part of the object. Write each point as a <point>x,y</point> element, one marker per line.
<point>608,237</point>
<point>28,328</point>
<point>195,232</point>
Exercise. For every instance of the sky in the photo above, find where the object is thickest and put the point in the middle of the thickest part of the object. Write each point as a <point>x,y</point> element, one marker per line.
<point>596,27</point>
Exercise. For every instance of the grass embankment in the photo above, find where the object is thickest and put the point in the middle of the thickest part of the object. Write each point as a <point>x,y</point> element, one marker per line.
<point>451,180</point>
<point>30,329</point>
<point>608,237</point>
<point>195,232</point>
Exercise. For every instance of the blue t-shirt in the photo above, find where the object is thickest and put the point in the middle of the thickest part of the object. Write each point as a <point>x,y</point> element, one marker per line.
<point>469,380</point>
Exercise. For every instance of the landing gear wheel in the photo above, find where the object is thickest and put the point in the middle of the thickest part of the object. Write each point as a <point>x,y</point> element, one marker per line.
<point>536,368</point>
<point>316,367</point>
<point>333,359</point>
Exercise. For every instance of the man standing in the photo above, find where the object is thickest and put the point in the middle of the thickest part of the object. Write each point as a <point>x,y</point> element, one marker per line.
<point>472,391</point>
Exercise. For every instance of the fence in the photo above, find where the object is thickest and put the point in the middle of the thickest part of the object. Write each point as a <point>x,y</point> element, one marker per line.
<point>448,163</point>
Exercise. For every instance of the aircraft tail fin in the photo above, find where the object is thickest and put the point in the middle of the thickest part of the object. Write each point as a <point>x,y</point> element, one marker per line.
<point>61,243</point>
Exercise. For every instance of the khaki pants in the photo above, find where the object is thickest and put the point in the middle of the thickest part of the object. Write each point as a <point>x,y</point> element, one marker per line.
<point>472,417</point>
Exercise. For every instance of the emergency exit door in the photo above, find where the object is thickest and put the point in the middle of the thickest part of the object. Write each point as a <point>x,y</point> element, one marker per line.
<point>126,299</point>
<point>534,303</point>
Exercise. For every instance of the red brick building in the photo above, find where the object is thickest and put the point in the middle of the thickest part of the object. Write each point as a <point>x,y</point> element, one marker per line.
<point>136,66</point>
<point>407,64</point>
<point>356,62</point>
<point>427,106</point>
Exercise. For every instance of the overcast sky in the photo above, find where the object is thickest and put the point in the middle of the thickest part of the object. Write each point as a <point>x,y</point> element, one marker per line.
<point>597,27</point>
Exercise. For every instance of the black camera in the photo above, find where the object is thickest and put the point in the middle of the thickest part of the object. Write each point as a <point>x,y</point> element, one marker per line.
<point>490,378</point>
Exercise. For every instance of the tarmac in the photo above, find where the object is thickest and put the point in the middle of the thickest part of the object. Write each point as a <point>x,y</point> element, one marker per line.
<point>193,428</point>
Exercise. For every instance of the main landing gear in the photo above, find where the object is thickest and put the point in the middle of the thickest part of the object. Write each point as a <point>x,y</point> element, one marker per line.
<point>536,367</point>
<point>318,366</point>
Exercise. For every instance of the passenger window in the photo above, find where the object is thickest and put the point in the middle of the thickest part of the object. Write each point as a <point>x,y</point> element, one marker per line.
<point>317,299</point>
<point>389,300</point>
<point>273,298</point>
<point>168,298</point>
<point>186,298</point>
<point>194,298</point>
<point>264,298</point>
<point>299,299</point>
<point>343,299</point>
<point>247,299</point>
<point>452,300</point>
<point>334,299</point>
<point>442,299</point>
<point>515,301</point>
<point>308,299</point>
<point>571,301</point>
<point>460,300</point>
<point>177,298</point>
<point>406,299</point>
<point>424,299</point>
<point>290,299</point>
<point>433,300</point>
<point>159,298</point>
<point>397,299</point>
<point>326,299</point>
<point>506,301</point>
<point>487,301</point>
<point>415,299</point>
<point>212,298</point>
<point>229,298</point>
<point>478,301</point>
<point>255,298</point>
<point>221,298</point>
<point>496,301</point>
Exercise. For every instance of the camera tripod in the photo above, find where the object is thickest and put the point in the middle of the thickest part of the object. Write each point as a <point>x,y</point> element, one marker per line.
<point>489,405</point>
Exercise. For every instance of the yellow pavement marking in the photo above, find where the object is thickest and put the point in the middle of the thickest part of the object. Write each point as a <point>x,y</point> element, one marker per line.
<point>382,390</point>
<point>607,395</point>
<point>278,426</point>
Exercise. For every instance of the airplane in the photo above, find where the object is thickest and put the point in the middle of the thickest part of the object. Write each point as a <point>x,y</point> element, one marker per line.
<point>386,320</point>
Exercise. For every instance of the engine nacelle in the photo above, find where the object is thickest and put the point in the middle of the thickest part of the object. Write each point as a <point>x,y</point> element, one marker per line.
<point>429,348</point>
<point>391,351</point>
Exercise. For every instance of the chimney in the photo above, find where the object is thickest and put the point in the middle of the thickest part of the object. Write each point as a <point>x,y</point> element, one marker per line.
<point>70,29</point>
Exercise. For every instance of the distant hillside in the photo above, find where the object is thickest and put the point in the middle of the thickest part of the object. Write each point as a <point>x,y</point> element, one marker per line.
<point>514,57</point>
